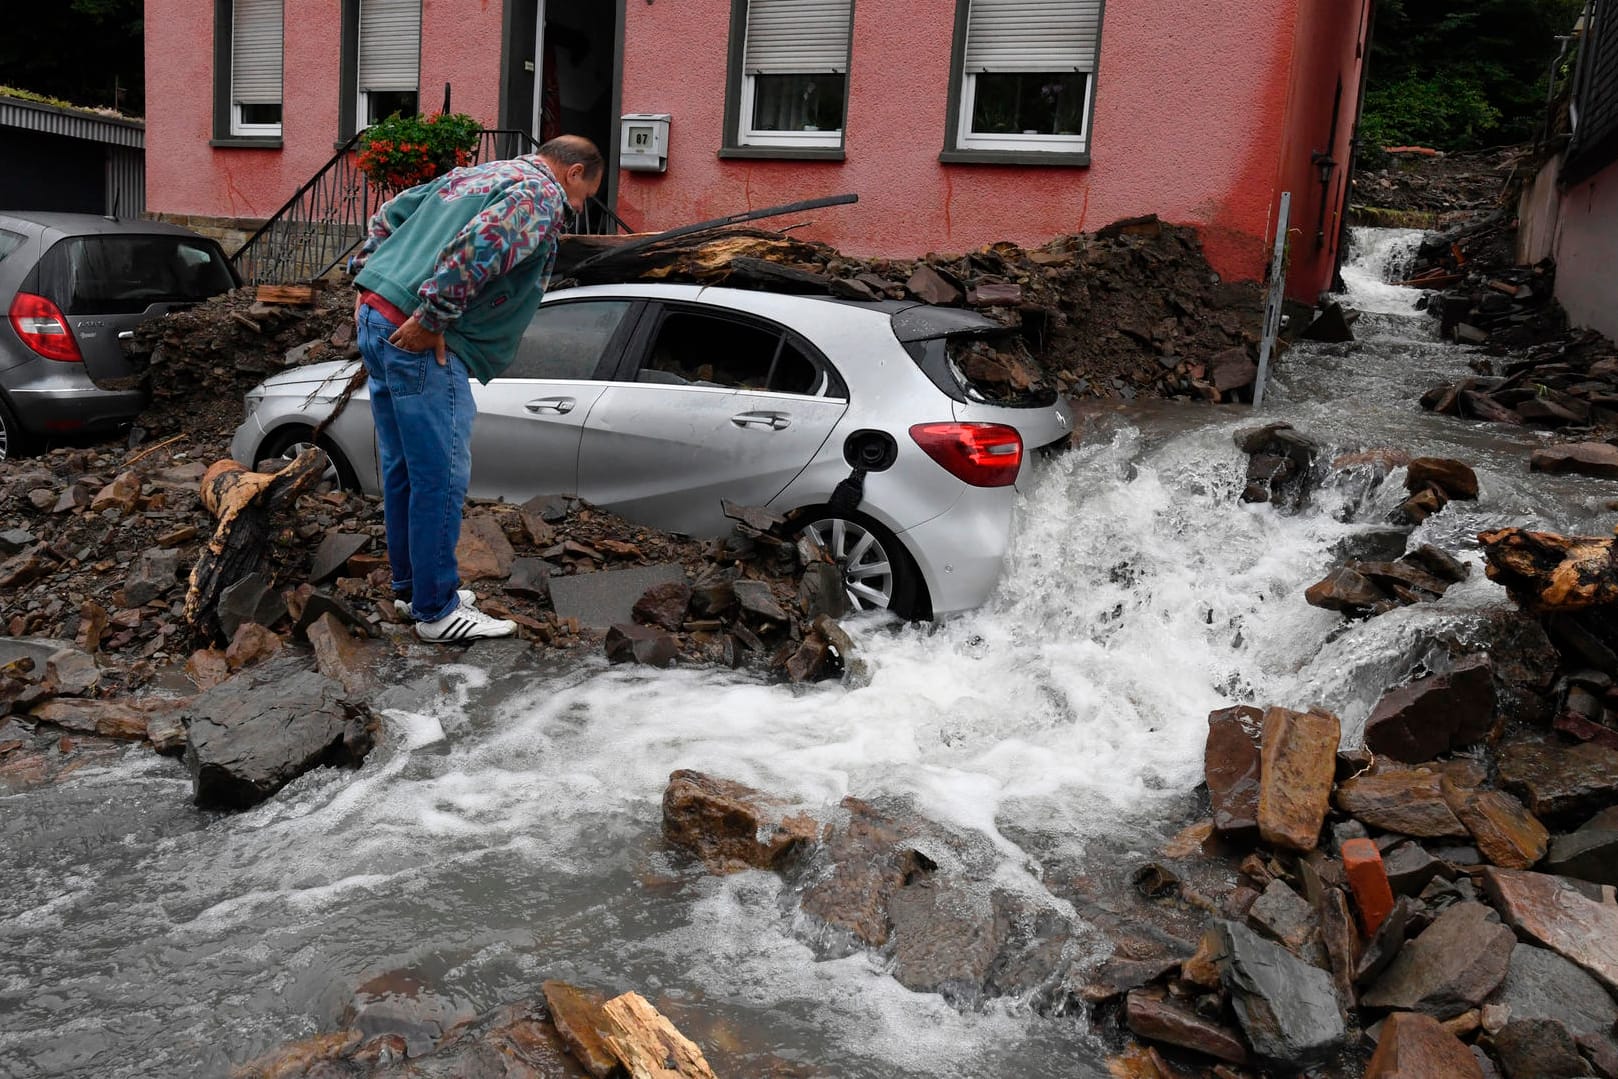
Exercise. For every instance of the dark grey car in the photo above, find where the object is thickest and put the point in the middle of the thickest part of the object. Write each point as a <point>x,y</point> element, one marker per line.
<point>71,284</point>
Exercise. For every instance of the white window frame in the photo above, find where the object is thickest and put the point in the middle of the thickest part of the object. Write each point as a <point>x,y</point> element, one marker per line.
<point>239,126</point>
<point>747,135</point>
<point>967,139</point>
<point>362,102</point>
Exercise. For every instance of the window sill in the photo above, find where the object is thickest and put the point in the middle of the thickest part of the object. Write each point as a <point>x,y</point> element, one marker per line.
<point>1016,157</point>
<point>247,142</point>
<point>783,153</point>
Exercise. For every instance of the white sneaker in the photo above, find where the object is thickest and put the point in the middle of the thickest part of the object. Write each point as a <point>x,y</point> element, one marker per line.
<point>468,599</point>
<point>465,623</point>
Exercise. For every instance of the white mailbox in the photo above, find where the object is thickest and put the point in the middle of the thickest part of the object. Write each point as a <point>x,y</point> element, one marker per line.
<point>643,145</point>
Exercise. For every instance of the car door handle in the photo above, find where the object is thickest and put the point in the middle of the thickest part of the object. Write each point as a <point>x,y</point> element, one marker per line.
<point>775,421</point>
<point>551,406</point>
<point>126,335</point>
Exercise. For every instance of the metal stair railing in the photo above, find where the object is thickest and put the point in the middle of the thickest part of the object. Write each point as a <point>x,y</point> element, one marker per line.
<point>326,218</point>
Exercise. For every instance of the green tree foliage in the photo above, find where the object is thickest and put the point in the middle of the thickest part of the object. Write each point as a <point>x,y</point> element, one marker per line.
<point>88,52</point>
<point>1461,74</point>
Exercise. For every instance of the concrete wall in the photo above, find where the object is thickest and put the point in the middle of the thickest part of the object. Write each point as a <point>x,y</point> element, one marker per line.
<point>186,176</point>
<point>1538,208</point>
<point>1191,102</point>
<point>1587,253</point>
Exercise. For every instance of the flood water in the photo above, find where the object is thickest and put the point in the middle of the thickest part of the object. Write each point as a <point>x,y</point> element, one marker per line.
<point>506,830</point>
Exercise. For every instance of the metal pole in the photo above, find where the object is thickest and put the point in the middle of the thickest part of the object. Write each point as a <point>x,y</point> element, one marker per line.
<point>1272,309</point>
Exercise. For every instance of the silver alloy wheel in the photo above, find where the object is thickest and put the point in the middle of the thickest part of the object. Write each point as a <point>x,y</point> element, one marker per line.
<point>330,475</point>
<point>867,570</point>
<point>5,439</point>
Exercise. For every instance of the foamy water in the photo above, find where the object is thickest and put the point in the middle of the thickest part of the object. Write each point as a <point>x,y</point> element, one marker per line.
<point>507,829</point>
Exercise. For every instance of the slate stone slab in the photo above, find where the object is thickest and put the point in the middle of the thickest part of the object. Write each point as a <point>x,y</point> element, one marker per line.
<point>1231,766</point>
<point>250,599</point>
<point>336,549</point>
<point>1560,781</point>
<point>1542,985</point>
<point>1287,1008</point>
<point>1553,911</point>
<point>1591,853</point>
<point>1417,722</point>
<point>1452,966</point>
<point>252,735</point>
<point>604,599</point>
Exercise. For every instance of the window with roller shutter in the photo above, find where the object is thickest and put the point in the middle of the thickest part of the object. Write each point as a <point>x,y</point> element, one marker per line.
<point>1024,80</point>
<point>789,75</point>
<point>388,64</point>
<point>248,57</point>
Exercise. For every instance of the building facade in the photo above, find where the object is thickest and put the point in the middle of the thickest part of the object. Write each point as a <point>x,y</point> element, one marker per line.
<point>956,122</point>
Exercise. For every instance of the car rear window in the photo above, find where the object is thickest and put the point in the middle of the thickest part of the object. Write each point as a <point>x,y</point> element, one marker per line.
<point>992,369</point>
<point>9,242</point>
<point>126,274</point>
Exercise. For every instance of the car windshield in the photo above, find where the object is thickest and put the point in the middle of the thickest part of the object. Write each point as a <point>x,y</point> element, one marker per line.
<point>126,274</point>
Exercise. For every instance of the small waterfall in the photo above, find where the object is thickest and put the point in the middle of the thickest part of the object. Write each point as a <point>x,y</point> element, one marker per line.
<point>1378,260</point>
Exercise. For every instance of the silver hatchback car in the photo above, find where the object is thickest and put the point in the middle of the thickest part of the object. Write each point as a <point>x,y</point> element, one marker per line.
<point>661,402</point>
<point>72,285</point>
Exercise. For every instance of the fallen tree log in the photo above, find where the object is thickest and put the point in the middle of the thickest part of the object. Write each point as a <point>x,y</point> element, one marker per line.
<point>244,503</point>
<point>705,258</point>
<point>648,1045</point>
<point>1548,573</point>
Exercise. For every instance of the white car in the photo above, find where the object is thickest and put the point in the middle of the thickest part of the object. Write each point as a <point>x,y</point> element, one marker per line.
<point>660,402</point>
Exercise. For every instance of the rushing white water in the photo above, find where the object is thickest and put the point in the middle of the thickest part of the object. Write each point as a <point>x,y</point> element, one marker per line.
<point>507,829</point>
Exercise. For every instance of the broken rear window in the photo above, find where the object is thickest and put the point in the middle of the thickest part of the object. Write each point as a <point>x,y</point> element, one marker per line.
<point>989,369</point>
<point>126,274</point>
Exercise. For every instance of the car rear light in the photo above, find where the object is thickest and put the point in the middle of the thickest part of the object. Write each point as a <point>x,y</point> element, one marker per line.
<point>42,328</point>
<point>982,454</point>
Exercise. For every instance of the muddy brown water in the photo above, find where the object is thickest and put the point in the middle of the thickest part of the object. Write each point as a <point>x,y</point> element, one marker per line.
<point>507,828</point>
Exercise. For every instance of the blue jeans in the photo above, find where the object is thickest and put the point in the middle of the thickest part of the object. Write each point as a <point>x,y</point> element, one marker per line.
<point>423,414</point>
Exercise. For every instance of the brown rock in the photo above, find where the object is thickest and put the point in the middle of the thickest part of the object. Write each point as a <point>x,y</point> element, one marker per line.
<point>1232,369</point>
<point>1557,914</point>
<point>1585,458</point>
<point>1150,1016</point>
<point>1423,504</point>
<point>1407,802</point>
<point>1232,765</point>
<point>930,286</point>
<point>1451,967</point>
<point>1345,589</point>
<point>995,294</point>
<point>483,551</point>
<point>207,667</point>
<point>1415,1046</point>
<point>1418,721</point>
<point>664,605</point>
<point>121,495</point>
<point>1202,968</point>
<point>1506,833</point>
<point>251,644</point>
<point>1457,479</point>
<point>1560,781</point>
<point>110,719</point>
<point>92,626</point>
<point>731,827</point>
<point>1539,1049</point>
<point>338,655</point>
<point>1299,756</point>
<point>1286,918</point>
<point>583,1026</point>
<point>626,642</point>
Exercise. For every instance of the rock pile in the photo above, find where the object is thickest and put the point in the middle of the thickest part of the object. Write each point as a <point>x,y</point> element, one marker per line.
<point>1131,310</point>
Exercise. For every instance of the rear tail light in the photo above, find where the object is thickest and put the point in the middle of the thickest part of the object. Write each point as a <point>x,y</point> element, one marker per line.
<point>42,328</point>
<point>982,454</point>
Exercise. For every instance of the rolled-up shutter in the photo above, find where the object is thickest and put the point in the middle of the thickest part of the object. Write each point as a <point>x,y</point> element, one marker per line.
<point>1032,35</point>
<point>255,52</point>
<point>803,37</point>
<point>390,44</point>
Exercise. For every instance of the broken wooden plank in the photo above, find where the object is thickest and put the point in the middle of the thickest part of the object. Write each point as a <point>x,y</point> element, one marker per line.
<point>648,1045</point>
<point>287,295</point>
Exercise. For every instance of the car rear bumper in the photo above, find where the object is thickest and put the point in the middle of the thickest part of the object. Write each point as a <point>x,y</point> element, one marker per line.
<point>51,397</point>
<point>962,551</point>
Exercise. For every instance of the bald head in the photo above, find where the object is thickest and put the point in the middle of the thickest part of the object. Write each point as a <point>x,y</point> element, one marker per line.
<point>565,151</point>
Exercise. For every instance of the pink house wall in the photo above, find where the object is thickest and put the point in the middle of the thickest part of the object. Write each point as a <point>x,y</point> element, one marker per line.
<point>185,175</point>
<point>1191,103</point>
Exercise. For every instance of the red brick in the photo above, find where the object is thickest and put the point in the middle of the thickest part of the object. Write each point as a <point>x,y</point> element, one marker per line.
<point>1369,882</point>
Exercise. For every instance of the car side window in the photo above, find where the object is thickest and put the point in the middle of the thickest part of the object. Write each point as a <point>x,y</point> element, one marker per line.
<point>9,242</point>
<point>694,348</point>
<point>567,340</point>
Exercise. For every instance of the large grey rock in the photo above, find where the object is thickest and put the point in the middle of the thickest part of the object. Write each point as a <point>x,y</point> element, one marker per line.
<point>1287,1008</point>
<point>250,599</point>
<point>335,550</point>
<point>154,574</point>
<point>1539,1049</point>
<point>251,735</point>
<point>1542,985</point>
<point>1452,966</point>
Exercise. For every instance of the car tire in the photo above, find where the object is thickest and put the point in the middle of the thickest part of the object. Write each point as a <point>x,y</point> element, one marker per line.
<point>878,572</point>
<point>285,443</point>
<point>13,443</point>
